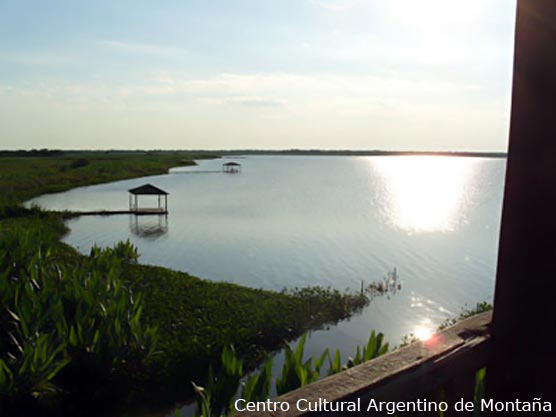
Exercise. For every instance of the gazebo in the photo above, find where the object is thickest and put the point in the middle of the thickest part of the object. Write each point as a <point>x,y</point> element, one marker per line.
<point>231,167</point>
<point>148,189</point>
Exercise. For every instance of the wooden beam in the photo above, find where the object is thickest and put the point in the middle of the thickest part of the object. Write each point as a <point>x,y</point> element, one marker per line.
<point>524,315</point>
<point>404,374</point>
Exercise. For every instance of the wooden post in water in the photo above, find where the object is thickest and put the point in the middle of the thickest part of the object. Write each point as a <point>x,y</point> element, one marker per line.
<point>523,362</point>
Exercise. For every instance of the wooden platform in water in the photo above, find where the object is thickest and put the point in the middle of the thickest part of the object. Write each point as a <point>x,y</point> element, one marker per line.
<point>139,212</point>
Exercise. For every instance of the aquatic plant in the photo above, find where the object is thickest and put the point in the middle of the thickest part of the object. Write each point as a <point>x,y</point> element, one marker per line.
<point>374,348</point>
<point>479,390</point>
<point>389,284</point>
<point>296,372</point>
<point>480,307</point>
<point>64,326</point>
<point>257,386</point>
<point>123,251</point>
<point>216,399</point>
<point>199,318</point>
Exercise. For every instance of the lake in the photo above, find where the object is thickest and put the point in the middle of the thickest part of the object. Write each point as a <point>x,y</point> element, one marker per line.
<point>293,221</point>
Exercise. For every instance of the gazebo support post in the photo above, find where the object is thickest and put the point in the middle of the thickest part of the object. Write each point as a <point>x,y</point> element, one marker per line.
<point>523,363</point>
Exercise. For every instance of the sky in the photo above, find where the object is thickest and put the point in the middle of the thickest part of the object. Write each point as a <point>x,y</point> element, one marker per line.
<point>264,74</point>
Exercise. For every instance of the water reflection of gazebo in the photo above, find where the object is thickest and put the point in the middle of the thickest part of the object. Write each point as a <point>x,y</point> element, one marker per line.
<point>148,189</point>
<point>231,167</point>
<point>148,227</point>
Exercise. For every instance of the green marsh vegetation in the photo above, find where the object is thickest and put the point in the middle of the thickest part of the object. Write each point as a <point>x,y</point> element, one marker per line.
<point>80,332</point>
<point>217,398</point>
<point>467,312</point>
<point>66,327</point>
<point>24,175</point>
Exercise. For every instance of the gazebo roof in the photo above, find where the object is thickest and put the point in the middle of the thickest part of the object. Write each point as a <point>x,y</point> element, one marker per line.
<point>231,164</point>
<point>148,189</point>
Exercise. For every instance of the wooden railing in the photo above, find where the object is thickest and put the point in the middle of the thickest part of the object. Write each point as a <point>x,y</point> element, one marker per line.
<point>445,365</point>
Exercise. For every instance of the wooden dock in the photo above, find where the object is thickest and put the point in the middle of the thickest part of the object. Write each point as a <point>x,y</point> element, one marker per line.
<point>138,212</point>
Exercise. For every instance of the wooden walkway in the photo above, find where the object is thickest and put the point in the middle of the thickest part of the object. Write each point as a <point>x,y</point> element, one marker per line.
<point>197,172</point>
<point>140,212</point>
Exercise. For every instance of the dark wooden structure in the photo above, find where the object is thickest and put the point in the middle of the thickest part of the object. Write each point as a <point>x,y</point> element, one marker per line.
<point>516,343</point>
<point>524,315</point>
<point>447,362</point>
<point>148,189</point>
<point>231,167</point>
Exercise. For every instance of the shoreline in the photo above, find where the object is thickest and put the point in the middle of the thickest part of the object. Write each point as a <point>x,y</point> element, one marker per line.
<point>223,153</point>
<point>195,318</point>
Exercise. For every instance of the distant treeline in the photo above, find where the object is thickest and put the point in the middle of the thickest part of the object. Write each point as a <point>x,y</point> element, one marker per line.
<point>208,153</point>
<point>33,152</point>
<point>101,153</point>
<point>375,152</point>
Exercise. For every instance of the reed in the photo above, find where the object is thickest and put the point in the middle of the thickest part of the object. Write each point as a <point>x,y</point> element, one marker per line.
<point>65,326</point>
<point>217,398</point>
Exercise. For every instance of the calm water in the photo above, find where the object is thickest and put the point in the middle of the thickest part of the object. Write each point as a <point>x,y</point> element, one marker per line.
<point>332,221</point>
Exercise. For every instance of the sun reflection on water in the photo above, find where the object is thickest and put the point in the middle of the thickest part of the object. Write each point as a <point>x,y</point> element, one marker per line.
<point>424,193</point>
<point>423,333</point>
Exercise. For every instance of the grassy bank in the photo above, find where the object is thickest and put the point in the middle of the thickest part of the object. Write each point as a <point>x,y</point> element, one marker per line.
<point>24,176</point>
<point>194,319</point>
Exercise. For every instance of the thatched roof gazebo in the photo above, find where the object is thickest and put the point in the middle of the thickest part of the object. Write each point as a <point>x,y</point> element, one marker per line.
<point>148,189</point>
<point>231,167</point>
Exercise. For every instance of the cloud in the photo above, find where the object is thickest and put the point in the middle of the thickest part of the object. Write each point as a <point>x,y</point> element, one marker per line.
<point>274,110</point>
<point>143,49</point>
<point>337,5</point>
<point>269,90</point>
<point>251,101</point>
<point>298,85</point>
